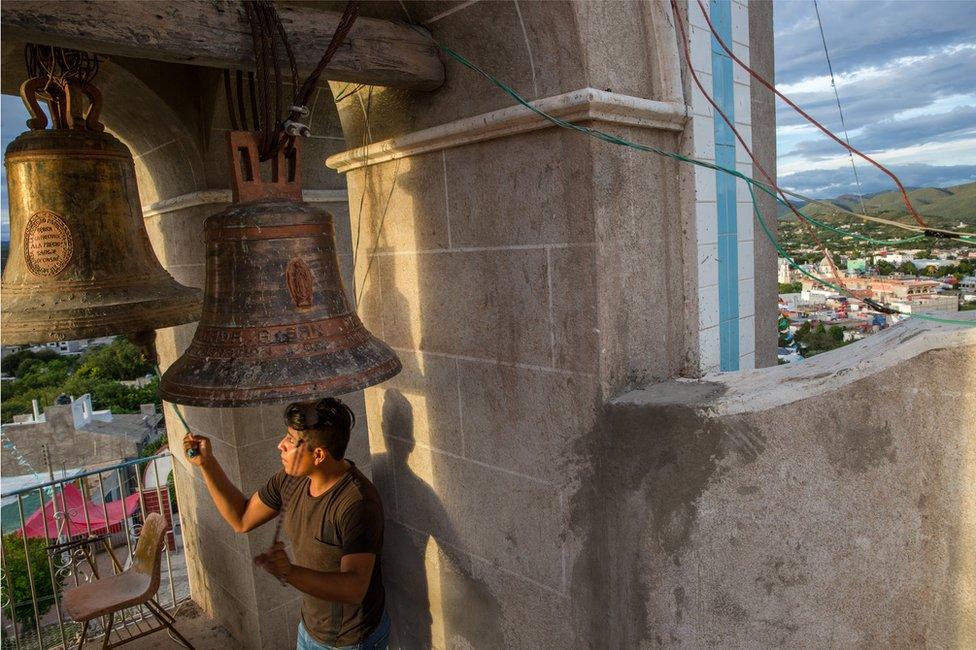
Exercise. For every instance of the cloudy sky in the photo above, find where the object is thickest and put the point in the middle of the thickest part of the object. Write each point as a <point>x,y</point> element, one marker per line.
<point>906,76</point>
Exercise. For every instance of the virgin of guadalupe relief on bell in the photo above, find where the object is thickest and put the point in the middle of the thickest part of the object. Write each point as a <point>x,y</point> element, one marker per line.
<point>276,324</point>
<point>81,264</point>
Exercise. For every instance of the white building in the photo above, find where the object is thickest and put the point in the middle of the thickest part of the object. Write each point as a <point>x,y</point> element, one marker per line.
<point>73,347</point>
<point>924,264</point>
<point>926,303</point>
<point>897,259</point>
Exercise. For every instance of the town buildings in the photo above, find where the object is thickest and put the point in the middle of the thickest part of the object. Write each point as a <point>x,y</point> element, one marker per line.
<point>819,303</point>
<point>74,435</point>
<point>72,348</point>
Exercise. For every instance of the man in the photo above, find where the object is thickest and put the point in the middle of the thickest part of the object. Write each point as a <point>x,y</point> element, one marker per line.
<point>334,521</point>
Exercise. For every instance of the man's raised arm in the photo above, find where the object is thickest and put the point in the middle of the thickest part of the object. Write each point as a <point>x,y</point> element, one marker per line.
<point>241,513</point>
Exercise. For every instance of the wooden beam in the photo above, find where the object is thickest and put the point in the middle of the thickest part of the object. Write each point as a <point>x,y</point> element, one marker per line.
<point>215,33</point>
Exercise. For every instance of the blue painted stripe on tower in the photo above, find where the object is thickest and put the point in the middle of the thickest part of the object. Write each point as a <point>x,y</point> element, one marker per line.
<point>720,12</point>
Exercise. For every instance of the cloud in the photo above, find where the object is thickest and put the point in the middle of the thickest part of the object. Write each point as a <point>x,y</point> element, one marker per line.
<point>861,34</point>
<point>894,134</point>
<point>904,73</point>
<point>888,90</point>
<point>829,183</point>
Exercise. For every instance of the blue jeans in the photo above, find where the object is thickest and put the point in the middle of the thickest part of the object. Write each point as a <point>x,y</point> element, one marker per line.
<point>375,641</point>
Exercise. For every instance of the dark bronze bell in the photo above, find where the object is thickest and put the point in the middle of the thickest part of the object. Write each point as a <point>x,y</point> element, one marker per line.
<point>276,322</point>
<point>81,264</point>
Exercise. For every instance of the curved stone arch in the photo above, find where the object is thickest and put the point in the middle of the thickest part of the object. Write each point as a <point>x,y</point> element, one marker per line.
<point>167,156</point>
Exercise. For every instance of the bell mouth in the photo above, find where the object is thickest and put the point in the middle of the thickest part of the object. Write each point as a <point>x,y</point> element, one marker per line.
<point>30,316</point>
<point>231,381</point>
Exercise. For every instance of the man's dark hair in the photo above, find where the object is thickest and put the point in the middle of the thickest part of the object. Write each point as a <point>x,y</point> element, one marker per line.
<point>325,423</point>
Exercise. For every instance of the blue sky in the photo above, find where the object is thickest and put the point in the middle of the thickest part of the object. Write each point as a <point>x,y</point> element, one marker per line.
<point>12,118</point>
<point>906,75</point>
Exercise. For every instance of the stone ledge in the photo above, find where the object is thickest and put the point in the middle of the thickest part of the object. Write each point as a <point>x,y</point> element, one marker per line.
<point>211,197</point>
<point>585,104</point>
<point>751,391</point>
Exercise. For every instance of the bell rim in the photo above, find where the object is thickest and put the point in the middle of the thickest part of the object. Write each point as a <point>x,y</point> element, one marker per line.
<point>221,397</point>
<point>19,326</point>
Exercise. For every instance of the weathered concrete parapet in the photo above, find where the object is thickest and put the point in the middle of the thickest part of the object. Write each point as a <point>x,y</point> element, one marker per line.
<point>830,503</point>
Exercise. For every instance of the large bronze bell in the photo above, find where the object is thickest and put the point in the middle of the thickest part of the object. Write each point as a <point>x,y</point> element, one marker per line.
<point>81,264</point>
<point>276,322</point>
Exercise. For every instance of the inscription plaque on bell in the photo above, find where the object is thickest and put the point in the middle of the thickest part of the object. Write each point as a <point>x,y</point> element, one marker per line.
<point>47,243</point>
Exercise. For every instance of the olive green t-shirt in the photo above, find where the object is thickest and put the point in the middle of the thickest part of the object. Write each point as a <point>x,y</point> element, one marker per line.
<point>346,519</point>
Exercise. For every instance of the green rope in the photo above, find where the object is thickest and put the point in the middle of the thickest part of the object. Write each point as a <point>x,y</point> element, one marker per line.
<point>750,182</point>
<point>176,408</point>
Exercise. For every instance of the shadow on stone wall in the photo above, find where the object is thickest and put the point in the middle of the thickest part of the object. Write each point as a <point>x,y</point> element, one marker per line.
<point>424,575</point>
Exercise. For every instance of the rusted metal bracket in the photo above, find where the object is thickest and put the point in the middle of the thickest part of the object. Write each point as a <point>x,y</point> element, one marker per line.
<point>247,186</point>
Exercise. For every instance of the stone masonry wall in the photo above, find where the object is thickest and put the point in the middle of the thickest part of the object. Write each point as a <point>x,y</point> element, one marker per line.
<point>523,280</point>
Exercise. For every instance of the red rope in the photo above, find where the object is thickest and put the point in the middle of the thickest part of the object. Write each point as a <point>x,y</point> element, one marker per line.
<point>769,179</point>
<point>826,131</point>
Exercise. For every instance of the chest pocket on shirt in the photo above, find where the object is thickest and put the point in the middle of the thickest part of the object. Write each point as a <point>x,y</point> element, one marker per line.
<point>327,549</point>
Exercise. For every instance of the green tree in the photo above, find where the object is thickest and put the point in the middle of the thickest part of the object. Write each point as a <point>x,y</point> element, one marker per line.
<point>119,360</point>
<point>885,267</point>
<point>908,268</point>
<point>836,332</point>
<point>43,377</point>
<point>11,362</point>
<point>19,578</point>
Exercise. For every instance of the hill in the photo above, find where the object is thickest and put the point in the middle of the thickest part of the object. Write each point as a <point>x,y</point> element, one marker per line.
<point>943,207</point>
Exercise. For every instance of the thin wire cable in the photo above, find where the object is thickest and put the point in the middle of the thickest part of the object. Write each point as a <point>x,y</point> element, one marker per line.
<point>367,140</point>
<point>606,137</point>
<point>950,234</point>
<point>840,111</point>
<point>343,94</point>
<point>828,132</point>
<point>229,95</point>
<point>241,107</point>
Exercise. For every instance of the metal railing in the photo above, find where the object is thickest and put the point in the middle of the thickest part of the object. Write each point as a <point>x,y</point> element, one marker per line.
<point>77,548</point>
